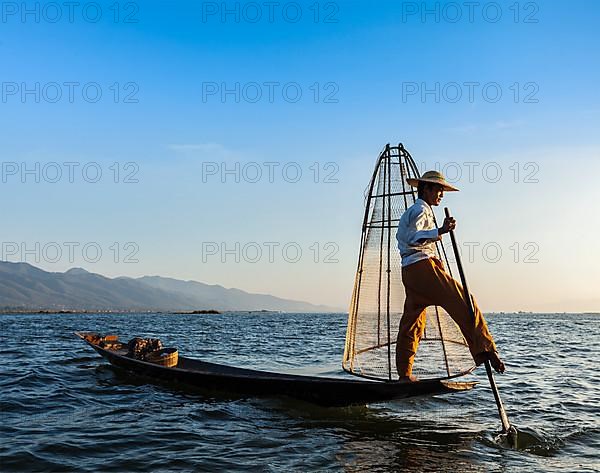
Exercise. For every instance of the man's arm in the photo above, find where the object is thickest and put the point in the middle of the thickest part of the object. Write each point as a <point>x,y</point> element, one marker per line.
<point>419,234</point>
<point>419,230</point>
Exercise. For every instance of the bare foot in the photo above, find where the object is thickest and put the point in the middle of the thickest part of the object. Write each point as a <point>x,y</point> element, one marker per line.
<point>407,379</point>
<point>496,362</point>
<point>493,358</point>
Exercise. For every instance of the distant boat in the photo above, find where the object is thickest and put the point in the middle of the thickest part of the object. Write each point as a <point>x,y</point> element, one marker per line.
<point>198,312</point>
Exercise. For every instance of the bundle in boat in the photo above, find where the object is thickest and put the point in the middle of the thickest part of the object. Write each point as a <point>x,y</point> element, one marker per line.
<point>378,296</point>
<point>152,350</point>
<point>109,342</point>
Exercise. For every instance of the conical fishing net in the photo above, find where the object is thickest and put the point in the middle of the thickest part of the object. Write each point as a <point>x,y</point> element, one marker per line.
<point>378,296</point>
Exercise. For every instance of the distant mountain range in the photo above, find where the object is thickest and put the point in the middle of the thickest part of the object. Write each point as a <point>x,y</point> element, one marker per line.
<point>25,287</point>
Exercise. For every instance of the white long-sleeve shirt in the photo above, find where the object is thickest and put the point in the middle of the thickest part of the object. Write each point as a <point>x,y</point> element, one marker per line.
<point>417,233</point>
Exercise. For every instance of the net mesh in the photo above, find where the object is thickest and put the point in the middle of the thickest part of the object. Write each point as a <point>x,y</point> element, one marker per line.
<point>378,295</point>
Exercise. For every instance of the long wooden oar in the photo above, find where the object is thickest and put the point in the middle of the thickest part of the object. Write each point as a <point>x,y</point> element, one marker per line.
<point>506,427</point>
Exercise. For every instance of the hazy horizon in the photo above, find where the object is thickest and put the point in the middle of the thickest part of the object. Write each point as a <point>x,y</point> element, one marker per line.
<point>338,309</point>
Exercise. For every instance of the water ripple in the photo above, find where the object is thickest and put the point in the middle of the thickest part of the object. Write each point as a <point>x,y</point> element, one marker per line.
<point>65,409</point>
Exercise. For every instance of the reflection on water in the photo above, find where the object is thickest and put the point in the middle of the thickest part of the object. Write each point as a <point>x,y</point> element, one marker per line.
<point>407,445</point>
<point>65,409</point>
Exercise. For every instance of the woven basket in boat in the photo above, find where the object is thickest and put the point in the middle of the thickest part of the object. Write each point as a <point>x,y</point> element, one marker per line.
<point>166,357</point>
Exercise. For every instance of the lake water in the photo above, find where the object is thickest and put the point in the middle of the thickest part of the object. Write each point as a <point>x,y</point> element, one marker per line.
<point>63,408</point>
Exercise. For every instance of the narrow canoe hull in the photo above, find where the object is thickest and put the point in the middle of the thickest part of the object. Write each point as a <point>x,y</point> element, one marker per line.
<point>315,389</point>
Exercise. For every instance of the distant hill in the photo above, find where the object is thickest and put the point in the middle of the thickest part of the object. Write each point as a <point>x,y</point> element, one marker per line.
<point>23,286</point>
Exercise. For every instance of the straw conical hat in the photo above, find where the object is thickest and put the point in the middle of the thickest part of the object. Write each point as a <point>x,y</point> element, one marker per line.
<point>435,178</point>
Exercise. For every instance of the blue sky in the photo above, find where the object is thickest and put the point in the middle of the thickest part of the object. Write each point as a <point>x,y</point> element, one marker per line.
<point>357,77</point>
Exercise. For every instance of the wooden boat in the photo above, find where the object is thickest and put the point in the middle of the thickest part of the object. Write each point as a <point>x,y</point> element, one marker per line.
<point>315,389</point>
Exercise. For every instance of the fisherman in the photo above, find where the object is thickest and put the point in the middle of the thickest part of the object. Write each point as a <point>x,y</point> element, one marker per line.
<point>428,284</point>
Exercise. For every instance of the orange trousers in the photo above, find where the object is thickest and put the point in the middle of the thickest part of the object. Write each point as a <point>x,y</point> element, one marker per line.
<point>427,284</point>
